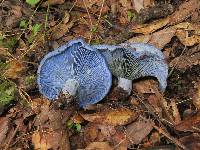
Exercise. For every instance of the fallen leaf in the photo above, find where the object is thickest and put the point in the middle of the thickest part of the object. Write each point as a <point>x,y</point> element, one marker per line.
<point>61,30</point>
<point>138,5</point>
<point>52,2</point>
<point>151,27</point>
<point>99,146</point>
<point>138,130</point>
<point>14,69</point>
<point>115,117</point>
<point>190,58</point>
<point>158,39</point>
<point>50,140</point>
<point>175,112</point>
<point>196,96</point>
<point>146,86</point>
<point>192,142</point>
<point>98,132</point>
<point>4,129</point>
<point>189,123</point>
<point>185,10</point>
<point>126,4</point>
<point>161,38</point>
<point>187,40</point>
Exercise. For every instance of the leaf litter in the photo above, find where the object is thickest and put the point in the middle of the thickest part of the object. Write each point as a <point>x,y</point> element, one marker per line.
<point>144,120</point>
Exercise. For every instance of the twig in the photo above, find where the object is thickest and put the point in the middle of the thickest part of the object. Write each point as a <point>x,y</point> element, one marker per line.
<point>175,141</point>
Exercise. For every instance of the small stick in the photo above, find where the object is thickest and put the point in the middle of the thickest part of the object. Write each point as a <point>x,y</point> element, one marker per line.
<point>174,140</point>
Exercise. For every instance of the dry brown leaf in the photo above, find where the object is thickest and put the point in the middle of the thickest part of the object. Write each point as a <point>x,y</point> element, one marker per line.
<point>138,130</point>
<point>50,140</point>
<point>192,142</point>
<point>138,5</point>
<point>52,2</point>
<point>146,86</point>
<point>4,128</point>
<point>151,27</point>
<point>98,132</point>
<point>126,4</point>
<point>115,117</point>
<point>158,39</point>
<point>189,123</point>
<point>187,40</point>
<point>188,26</point>
<point>175,112</point>
<point>161,38</point>
<point>12,20</point>
<point>61,30</point>
<point>191,57</point>
<point>14,69</point>
<point>99,146</point>
<point>185,11</point>
<point>141,38</point>
<point>3,51</point>
<point>196,99</point>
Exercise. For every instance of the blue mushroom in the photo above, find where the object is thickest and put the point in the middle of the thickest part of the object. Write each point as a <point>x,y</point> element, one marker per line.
<point>130,61</point>
<point>76,69</point>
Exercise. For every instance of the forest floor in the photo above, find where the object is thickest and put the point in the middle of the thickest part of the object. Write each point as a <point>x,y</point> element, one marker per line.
<point>147,119</point>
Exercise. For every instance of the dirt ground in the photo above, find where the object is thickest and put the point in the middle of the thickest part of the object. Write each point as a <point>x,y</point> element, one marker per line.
<point>147,119</point>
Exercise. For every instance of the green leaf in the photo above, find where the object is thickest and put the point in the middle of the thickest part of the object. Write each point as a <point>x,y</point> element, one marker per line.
<point>78,127</point>
<point>94,29</point>
<point>130,15</point>
<point>7,92</point>
<point>23,24</point>
<point>36,28</point>
<point>32,2</point>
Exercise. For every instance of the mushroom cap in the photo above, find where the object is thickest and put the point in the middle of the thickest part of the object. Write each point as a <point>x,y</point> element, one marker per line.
<point>75,65</point>
<point>135,60</point>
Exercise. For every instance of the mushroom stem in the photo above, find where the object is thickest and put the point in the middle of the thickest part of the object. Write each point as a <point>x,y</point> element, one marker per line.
<point>70,87</point>
<point>125,84</point>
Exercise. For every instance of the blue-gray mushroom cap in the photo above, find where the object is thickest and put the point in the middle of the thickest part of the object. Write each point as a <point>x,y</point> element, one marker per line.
<point>76,68</point>
<point>135,60</point>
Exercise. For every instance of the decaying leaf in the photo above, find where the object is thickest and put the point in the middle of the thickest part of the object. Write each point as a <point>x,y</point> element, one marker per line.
<point>187,60</point>
<point>61,29</point>
<point>138,5</point>
<point>187,40</point>
<point>99,146</point>
<point>151,27</point>
<point>185,11</point>
<point>52,2</point>
<point>50,140</point>
<point>193,144</point>
<point>115,117</point>
<point>98,132</point>
<point>14,69</point>
<point>196,96</point>
<point>189,123</point>
<point>4,128</point>
<point>138,130</point>
<point>158,39</point>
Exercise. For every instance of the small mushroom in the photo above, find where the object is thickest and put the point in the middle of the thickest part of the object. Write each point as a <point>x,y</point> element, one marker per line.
<point>76,69</point>
<point>130,61</point>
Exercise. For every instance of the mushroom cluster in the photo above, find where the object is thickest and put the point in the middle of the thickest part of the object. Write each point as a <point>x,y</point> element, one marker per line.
<point>85,71</point>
